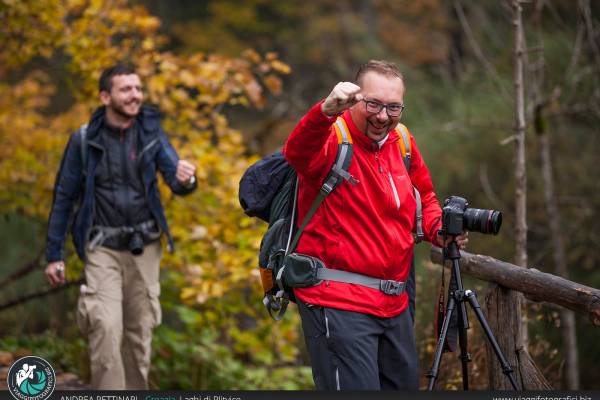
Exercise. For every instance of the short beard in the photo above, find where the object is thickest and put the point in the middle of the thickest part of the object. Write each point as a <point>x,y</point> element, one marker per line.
<point>389,128</point>
<point>121,112</point>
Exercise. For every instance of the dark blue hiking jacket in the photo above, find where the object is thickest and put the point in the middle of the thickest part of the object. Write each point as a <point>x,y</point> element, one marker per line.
<point>74,187</point>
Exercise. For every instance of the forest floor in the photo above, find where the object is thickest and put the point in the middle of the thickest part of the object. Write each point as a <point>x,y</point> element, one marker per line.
<point>64,380</point>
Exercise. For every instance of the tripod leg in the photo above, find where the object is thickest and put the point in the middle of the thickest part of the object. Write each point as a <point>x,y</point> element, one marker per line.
<point>433,372</point>
<point>465,357</point>
<point>506,368</point>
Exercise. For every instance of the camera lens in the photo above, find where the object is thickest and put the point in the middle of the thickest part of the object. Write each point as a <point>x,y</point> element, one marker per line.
<point>484,221</point>
<point>136,244</point>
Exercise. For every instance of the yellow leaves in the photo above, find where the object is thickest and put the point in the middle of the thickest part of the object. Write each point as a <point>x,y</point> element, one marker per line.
<point>157,85</point>
<point>187,293</point>
<point>28,29</point>
<point>254,93</point>
<point>147,44</point>
<point>280,67</point>
<point>216,244</point>
<point>187,78</point>
<point>273,83</point>
<point>199,232</point>
<point>75,4</point>
<point>252,55</point>
<point>167,65</point>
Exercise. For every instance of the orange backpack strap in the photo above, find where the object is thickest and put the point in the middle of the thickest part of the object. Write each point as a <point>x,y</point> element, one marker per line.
<point>405,146</point>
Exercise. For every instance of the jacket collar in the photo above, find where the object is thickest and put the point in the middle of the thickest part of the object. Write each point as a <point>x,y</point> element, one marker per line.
<point>362,140</point>
<point>148,119</point>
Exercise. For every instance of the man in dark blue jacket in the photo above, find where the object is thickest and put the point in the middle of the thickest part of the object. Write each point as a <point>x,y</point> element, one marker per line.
<point>108,176</point>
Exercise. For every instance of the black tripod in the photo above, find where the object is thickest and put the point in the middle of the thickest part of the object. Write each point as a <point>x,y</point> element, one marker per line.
<point>460,296</point>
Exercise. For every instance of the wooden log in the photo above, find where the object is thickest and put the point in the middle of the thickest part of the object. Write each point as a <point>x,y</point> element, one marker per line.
<point>534,284</point>
<point>505,324</point>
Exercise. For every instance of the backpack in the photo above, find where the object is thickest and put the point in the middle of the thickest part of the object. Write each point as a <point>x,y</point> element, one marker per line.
<point>269,190</point>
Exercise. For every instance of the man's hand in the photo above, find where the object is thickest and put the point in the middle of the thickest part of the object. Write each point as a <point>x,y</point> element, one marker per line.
<point>185,172</point>
<point>344,95</point>
<point>461,240</point>
<point>55,272</point>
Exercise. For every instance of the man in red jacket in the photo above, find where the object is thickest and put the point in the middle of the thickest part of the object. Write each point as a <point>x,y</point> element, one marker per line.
<point>360,337</point>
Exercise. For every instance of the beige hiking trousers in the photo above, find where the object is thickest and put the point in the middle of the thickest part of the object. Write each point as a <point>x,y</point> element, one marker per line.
<point>117,309</point>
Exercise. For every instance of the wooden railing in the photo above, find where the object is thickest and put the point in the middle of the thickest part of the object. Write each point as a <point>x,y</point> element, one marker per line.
<point>536,286</point>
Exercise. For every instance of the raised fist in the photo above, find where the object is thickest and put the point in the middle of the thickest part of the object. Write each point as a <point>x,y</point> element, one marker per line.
<point>343,96</point>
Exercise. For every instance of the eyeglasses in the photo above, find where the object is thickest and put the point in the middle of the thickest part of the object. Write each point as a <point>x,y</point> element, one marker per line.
<point>393,109</point>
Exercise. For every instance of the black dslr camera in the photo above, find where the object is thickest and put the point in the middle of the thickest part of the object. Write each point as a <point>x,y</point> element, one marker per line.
<point>457,217</point>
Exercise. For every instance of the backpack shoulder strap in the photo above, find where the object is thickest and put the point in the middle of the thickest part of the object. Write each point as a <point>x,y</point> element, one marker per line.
<point>339,172</point>
<point>405,150</point>
<point>83,133</point>
<point>405,146</point>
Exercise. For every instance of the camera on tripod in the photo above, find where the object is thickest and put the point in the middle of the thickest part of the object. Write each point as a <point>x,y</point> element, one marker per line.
<point>458,217</point>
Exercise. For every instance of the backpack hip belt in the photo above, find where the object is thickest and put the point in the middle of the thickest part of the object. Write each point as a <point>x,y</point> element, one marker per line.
<point>301,271</point>
<point>387,286</point>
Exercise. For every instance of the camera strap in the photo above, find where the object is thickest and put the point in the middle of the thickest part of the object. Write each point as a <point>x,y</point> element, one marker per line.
<point>99,234</point>
<point>441,306</point>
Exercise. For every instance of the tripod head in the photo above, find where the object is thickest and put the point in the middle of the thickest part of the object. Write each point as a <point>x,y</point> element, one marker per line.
<point>451,251</point>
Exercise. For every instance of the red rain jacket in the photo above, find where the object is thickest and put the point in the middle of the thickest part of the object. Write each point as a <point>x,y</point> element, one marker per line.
<point>361,228</point>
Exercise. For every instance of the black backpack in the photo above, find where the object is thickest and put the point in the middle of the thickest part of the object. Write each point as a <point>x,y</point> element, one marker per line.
<point>269,190</point>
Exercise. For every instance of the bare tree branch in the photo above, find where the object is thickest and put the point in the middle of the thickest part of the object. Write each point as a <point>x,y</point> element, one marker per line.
<point>41,293</point>
<point>584,6</point>
<point>489,190</point>
<point>23,271</point>
<point>489,67</point>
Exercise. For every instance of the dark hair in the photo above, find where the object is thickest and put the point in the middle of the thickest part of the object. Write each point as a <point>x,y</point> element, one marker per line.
<point>387,68</point>
<point>105,83</point>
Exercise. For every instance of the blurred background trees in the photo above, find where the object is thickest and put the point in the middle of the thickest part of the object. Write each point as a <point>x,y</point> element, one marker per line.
<point>232,78</point>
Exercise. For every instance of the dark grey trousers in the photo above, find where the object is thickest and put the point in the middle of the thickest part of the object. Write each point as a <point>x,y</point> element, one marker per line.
<point>356,351</point>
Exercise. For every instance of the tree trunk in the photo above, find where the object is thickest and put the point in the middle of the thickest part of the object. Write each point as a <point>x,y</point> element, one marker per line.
<point>567,318</point>
<point>504,306</point>
<point>520,170</point>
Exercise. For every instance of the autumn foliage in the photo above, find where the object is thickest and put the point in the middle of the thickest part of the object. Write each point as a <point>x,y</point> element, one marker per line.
<point>52,54</point>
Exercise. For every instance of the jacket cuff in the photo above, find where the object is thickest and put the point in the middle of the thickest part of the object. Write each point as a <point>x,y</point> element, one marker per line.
<point>182,189</point>
<point>52,256</point>
<point>191,184</point>
<point>437,225</point>
<point>317,116</point>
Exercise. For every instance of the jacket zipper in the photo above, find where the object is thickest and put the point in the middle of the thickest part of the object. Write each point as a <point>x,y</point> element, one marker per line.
<point>378,163</point>
<point>124,171</point>
<point>394,190</point>
<point>139,164</point>
<point>392,184</point>
<point>148,147</point>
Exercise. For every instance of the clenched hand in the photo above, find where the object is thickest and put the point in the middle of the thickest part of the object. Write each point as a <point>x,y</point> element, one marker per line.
<point>343,96</point>
<point>185,172</point>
